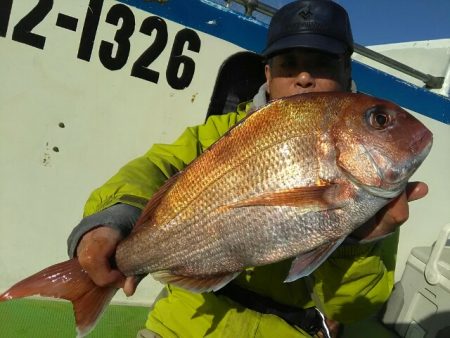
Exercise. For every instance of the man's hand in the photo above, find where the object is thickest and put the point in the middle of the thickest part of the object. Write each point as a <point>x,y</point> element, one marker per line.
<point>393,215</point>
<point>95,252</point>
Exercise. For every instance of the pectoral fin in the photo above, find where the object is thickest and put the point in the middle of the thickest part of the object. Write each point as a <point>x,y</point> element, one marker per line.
<point>306,263</point>
<point>312,197</point>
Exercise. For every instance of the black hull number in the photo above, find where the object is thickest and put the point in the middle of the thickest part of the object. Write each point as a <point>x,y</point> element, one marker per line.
<point>113,54</point>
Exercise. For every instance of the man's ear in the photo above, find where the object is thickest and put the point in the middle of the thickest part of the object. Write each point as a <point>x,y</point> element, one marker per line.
<point>353,87</point>
<point>268,77</point>
<point>348,73</point>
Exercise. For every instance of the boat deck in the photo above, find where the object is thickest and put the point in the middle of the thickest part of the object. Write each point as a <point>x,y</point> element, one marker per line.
<point>36,318</point>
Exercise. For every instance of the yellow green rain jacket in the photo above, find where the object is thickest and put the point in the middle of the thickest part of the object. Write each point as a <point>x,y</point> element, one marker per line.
<point>351,285</point>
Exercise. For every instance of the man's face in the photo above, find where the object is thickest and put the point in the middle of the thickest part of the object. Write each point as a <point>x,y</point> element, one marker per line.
<point>303,70</point>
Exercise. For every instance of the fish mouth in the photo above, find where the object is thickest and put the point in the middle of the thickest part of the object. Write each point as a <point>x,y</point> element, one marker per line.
<point>383,193</point>
<point>421,148</point>
<point>378,191</point>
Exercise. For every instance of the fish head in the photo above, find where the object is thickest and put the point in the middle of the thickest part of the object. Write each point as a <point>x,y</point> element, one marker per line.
<point>379,145</point>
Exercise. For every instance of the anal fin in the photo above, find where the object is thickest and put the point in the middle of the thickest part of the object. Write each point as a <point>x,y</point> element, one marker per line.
<point>197,284</point>
<point>304,264</point>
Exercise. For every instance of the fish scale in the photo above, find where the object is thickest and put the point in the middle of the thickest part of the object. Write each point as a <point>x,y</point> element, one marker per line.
<point>210,201</point>
<point>234,153</point>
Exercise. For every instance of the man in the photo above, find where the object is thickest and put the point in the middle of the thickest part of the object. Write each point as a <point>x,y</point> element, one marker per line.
<point>308,50</point>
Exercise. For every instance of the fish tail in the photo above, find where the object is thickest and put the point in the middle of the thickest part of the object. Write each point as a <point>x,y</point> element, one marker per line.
<point>67,280</point>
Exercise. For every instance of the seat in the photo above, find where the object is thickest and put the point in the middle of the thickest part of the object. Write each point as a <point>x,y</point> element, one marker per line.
<point>238,80</point>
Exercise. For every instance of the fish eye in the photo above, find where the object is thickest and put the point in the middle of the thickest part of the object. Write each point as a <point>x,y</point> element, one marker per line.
<point>379,118</point>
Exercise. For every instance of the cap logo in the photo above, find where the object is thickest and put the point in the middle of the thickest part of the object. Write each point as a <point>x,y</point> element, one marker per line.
<point>305,13</point>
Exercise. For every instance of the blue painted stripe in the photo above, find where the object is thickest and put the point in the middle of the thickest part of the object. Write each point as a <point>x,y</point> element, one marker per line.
<point>210,18</point>
<point>216,20</point>
<point>380,84</point>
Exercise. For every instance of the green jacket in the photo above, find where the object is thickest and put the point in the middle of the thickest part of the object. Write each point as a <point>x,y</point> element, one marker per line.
<point>351,284</point>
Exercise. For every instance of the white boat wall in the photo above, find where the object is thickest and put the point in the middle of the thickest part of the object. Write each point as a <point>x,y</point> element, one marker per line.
<point>91,84</point>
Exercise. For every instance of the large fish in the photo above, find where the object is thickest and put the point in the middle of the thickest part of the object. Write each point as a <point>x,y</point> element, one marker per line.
<point>291,180</point>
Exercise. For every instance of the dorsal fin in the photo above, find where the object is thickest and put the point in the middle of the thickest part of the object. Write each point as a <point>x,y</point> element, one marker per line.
<point>147,214</point>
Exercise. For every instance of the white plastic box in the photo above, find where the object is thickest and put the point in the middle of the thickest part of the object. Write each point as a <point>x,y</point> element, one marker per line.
<point>420,303</point>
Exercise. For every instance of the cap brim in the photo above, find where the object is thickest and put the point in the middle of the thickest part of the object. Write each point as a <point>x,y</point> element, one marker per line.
<point>313,41</point>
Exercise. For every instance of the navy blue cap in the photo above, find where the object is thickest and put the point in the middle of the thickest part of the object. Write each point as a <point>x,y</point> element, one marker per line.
<point>316,24</point>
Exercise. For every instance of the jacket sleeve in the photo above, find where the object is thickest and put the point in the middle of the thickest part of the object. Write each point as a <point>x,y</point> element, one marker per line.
<point>356,280</point>
<point>136,182</point>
